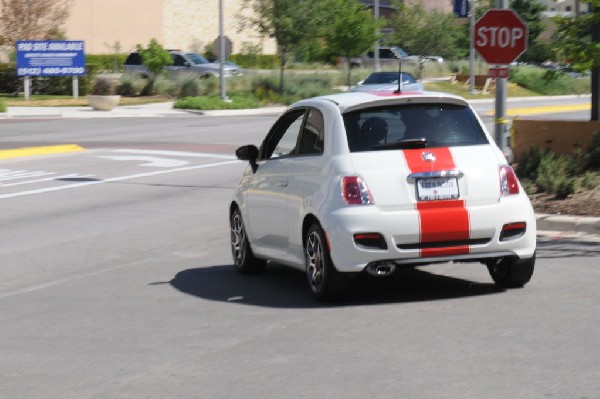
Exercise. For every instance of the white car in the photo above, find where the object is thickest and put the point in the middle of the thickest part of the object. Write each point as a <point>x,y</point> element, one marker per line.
<point>355,182</point>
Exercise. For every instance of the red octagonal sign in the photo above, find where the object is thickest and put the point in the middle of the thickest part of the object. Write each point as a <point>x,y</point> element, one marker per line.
<point>500,36</point>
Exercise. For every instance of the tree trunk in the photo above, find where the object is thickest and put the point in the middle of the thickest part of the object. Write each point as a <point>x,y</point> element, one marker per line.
<point>349,77</point>
<point>596,72</point>
<point>282,61</point>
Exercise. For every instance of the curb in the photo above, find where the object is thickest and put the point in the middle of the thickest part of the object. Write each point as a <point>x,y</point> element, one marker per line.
<point>577,224</point>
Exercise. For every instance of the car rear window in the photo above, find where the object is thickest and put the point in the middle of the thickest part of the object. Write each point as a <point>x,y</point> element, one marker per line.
<point>441,125</point>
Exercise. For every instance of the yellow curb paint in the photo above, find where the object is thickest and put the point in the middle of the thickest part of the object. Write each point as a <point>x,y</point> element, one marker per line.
<point>31,151</point>
<point>548,109</point>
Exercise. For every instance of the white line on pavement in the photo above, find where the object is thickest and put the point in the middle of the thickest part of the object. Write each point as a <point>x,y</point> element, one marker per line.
<point>113,179</point>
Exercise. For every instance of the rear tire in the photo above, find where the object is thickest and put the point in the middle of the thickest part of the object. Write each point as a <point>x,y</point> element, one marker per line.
<point>243,259</point>
<point>325,282</point>
<point>511,272</point>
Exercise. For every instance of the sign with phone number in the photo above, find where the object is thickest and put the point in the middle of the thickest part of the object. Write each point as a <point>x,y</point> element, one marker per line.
<point>50,58</point>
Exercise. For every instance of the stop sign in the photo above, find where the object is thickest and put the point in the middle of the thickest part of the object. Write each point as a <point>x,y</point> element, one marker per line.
<point>500,36</point>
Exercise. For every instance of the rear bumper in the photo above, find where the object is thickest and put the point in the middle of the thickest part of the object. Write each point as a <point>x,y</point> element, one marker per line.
<point>402,233</point>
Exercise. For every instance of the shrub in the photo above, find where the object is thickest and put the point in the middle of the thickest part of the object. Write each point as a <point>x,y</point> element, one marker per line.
<point>549,82</point>
<point>103,87</point>
<point>555,175</point>
<point>165,87</point>
<point>527,167</point>
<point>189,88</point>
<point>2,106</point>
<point>107,62</point>
<point>127,87</point>
<point>589,180</point>
<point>62,85</point>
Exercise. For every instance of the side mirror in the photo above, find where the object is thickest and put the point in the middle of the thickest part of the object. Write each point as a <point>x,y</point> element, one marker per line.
<point>248,153</point>
<point>187,64</point>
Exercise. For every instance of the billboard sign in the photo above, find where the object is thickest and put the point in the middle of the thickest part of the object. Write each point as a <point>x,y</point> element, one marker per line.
<point>50,58</point>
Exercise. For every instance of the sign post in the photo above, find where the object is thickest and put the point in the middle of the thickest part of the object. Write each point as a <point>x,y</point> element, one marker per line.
<point>500,38</point>
<point>50,58</point>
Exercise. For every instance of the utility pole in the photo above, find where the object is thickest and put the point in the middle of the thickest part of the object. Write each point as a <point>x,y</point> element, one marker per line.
<point>376,54</point>
<point>501,123</point>
<point>472,49</point>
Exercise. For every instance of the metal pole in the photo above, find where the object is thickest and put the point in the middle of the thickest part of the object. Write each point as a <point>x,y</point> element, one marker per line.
<point>501,123</point>
<point>376,54</point>
<point>222,53</point>
<point>27,88</point>
<point>75,87</point>
<point>472,49</point>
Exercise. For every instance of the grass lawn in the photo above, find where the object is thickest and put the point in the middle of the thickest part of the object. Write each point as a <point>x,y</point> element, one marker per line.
<point>463,91</point>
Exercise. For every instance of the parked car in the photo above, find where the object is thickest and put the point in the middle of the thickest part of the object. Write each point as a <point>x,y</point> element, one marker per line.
<point>388,81</point>
<point>183,63</point>
<point>389,56</point>
<point>370,182</point>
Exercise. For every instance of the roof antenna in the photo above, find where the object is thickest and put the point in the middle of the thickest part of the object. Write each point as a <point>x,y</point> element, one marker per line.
<point>398,55</point>
<point>399,91</point>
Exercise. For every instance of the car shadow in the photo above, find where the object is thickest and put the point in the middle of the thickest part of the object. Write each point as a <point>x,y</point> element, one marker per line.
<point>283,287</point>
<point>564,247</point>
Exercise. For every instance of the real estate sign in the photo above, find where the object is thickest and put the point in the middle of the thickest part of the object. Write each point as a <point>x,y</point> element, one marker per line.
<point>50,58</point>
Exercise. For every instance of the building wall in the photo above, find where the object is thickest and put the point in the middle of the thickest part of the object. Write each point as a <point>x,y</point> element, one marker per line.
<point>102,23</point>
<point>176,24</point>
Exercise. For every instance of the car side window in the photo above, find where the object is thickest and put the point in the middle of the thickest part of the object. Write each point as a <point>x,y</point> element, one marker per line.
<point>178,60</point>
<point>284,136</point>
<point>311,141</point>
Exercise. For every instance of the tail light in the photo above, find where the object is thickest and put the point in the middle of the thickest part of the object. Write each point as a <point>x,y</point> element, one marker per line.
<point>355,191</point>
<point>509,184</point>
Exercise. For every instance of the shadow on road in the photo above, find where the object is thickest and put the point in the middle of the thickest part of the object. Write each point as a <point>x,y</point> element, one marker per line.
<point>283,287</point>
<point>552,248</point>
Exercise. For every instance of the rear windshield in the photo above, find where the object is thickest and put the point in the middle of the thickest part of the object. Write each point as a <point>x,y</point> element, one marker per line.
<point>441,125</point>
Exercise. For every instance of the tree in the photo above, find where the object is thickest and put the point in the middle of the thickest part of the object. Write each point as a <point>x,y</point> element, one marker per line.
<point>423,32</point>
<point>32,19</point>
<point>348,29</point>
<point>531,12</point>
<point>155,58</point>
<point>578,44</point>
<point>287,21</point>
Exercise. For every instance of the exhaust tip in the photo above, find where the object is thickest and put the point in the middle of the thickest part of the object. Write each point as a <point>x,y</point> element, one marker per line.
<point>381,269</point>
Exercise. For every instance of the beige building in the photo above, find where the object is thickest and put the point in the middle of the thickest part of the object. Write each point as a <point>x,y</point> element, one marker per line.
<point>176,24</point>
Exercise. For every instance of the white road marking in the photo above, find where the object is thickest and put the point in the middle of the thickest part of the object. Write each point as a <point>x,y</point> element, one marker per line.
<point>24,175</point>
<point>69,176</point>
<point>151,161</point>
<point>113,179</point>
<point>177,153</point>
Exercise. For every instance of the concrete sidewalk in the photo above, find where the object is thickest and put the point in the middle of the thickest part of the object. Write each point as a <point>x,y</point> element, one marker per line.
<point>128,111</point>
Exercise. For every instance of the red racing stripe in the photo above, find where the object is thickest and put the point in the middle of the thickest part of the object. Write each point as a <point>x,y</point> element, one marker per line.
<point>445,220</point>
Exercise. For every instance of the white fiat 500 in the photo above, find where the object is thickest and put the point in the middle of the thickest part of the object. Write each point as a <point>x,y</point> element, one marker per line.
<point>355,182</point>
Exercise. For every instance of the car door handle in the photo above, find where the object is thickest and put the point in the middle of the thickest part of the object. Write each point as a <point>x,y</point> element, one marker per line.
<point>282,183</point>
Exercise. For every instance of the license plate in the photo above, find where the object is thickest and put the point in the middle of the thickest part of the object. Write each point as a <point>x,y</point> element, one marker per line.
<point>438,188</point>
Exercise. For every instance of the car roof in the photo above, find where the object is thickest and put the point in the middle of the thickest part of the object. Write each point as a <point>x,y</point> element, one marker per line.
<point>351,101</point>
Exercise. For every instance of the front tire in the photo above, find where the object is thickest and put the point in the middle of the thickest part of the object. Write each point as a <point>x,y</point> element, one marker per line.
<point>325,282</point>
<point>243,259</point>
<point>511,272</point>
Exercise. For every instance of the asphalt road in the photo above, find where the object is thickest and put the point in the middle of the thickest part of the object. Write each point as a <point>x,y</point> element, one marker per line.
<point>117,283</point>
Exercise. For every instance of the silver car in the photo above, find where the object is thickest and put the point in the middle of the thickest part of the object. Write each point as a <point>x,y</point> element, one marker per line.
<point>388,81</point>
<point>184,63</point>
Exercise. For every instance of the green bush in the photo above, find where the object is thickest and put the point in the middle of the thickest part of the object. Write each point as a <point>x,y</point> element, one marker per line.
<point>2,106</point>
<point>102,87</point>
<point>189,88</point>
<point>555,175</point>
<point>238,101</point>
<point>129,87</point>
<point>107,62</point>
<point>256,61</point>
<point>165,87</point>
<point>589,180</point>
<point>548,82</point>
<point>527,167</point>
<point>61,85</point>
